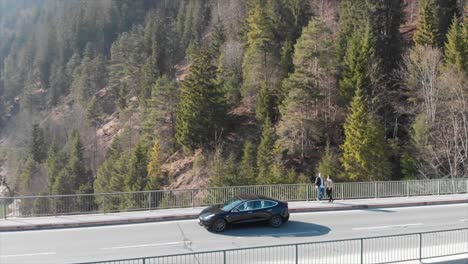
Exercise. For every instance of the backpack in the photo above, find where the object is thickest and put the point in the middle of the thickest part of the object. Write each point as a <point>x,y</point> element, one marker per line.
<point>318,182</point>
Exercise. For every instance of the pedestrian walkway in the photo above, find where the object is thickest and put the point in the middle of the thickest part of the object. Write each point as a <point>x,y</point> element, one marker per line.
<point>71,221</point>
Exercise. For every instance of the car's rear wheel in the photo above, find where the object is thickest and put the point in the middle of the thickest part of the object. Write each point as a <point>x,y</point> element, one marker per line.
<point>219,225</point>
<point>276,221</point>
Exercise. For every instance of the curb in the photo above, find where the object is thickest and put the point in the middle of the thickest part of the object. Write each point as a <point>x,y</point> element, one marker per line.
<point>194,216</point>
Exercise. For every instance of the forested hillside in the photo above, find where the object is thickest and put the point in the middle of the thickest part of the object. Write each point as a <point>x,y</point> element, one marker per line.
<point>132,95</point>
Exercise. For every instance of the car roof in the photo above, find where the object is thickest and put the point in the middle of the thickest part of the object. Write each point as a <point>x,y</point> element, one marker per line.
<point>247,197</point>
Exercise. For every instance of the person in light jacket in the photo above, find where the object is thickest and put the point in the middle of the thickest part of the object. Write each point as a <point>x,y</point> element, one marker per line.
<point>329,186</point>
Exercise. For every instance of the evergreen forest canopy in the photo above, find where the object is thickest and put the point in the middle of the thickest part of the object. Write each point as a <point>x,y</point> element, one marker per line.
<point>132,95</point>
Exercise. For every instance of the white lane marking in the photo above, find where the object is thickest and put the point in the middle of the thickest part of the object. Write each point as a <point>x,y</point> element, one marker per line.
<point>389,226</point>
<point>464,220</point>
<point>140,246</point>
<point>29,255</point>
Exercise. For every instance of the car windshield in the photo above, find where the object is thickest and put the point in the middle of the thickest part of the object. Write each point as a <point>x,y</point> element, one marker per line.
<point>231,204</point>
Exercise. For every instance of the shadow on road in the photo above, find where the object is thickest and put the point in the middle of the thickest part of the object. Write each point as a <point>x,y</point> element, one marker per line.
<point>379,210</point>
<point>289,229</point>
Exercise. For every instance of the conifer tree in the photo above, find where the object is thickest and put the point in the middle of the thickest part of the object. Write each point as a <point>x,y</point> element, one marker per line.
<point>455,48</point>
<point>248,172</point>
<point>38,144</point>
<point>155,173</point>
<point>359,66</point>
<point>55,164</point>
<point>364,149</point>
<point>81,177</point>
<point>162,109</point>
<point>257,56</point>
<point>353,15</point>
<point>224,171</point>
<point>202,108</point>
<point>265,157</point>
<point>305,90</point>
<point>137,177</point>
<point>447,11</point>
<point>110,176</point>
<point>427,28</point>
<point>264,108</point>
<point>218,38</point>
<point>27,173</point>
<point>328,164</point>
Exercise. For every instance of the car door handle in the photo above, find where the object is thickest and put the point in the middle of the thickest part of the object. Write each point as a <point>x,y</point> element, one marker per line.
<point>270,210</point>
<point>250,212</point>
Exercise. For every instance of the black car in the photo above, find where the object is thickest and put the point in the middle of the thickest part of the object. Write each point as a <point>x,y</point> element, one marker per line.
<point>244,209</point>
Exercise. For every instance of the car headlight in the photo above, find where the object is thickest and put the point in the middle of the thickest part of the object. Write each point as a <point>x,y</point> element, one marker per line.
<point>208,216</point>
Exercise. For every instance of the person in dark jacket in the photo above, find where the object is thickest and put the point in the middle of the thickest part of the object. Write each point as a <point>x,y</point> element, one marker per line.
<point>319,184</point>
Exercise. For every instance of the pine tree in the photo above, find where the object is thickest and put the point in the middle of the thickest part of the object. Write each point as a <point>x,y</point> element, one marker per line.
<point>247,171</point>
<point>63,184</point>
<point>257,57</point>
<point>218,38</point>
<point>385,17</point>
<point>224,171</point>
<point>155,173</point>
<point>427,29</point>
<point>304,91</point>
<point>81,177</point>
<point>353,16</point>
<point>328,164</point>
<point>27,173</point>
<point>448,10</point>
<point>55,164</point>
<point>202,107</point>
<point>359,66</point>
<point>455,50</point>
<point>265,157</point>
<point>38,144</point>
<point>264,108</point>
<point>364,149</point>
<point>162,109</point>
<point>93,111</point>
<point>137,177</point>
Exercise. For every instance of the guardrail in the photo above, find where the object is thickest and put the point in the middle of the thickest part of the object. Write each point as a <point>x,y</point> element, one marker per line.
<point>380,249</point>
<point>31,206</point>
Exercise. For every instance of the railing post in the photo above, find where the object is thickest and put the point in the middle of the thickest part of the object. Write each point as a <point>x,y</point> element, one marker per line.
<point>342,191</point>
<point>420,247</point>
<point>308,194</point>
<point>144,260</point>
<point>55,205</point>
<point>376,190</point>
<point>149,200</point>
<point>224,256</point>
<point>4,202</point>
<point>362,251</point>
<point>438,187</point>
<point>297,254</point>
<point>192,194</point>
<point>407,189</point>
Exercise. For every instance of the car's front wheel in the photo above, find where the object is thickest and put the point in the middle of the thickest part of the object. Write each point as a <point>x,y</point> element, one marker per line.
<point>218,225</point>
<point>276,221</point>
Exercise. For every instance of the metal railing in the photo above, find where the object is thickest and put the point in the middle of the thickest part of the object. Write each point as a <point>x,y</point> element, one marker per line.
<point>31,206</point>
<point>381,249</point>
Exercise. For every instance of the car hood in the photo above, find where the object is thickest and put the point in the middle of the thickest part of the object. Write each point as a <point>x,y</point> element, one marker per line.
<point>214,209</point>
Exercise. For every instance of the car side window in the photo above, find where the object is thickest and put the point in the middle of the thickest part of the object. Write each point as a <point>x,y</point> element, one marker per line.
<point>266,203</point>
<point>250,205</point>
<point>242,207</point>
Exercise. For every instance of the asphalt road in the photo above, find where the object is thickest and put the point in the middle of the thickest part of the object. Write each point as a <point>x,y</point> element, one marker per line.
<point>131,241</point>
